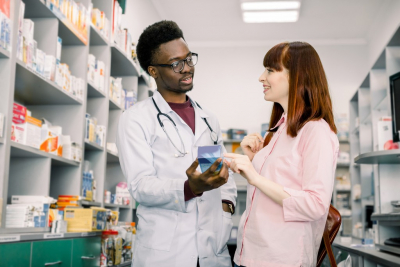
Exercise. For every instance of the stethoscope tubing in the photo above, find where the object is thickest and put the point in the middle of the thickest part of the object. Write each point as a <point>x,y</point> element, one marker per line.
<point>181,154</point>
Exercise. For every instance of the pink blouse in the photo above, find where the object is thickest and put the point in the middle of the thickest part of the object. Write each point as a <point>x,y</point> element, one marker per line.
<point>270,235</point>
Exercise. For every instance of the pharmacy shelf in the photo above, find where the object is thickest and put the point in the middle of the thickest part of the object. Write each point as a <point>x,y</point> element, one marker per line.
<point>343,190</point>
<point>67,31</point>
<point>22,151</point>
<point>114,105</point>
<point>391,249</point>
<point>33,89</point>
<point>356,130</point>
<point>145,78</point>
<point>343,165</point>
<point>382,104</point>
<point>379,157</point>
<point>230,141</point>
<point>367,119</point>
<point>112,157</point>
<point>90,203</point>
<point>96,37</point>
<point>110,205</point>
<point>388,217</point>
<point>24,230</point>
<point>121,65</point>
<point>31,236</point>
<point>1,140</point>
<point>344,141</point>
<point>93,146</point>
<point>4,53</point>
<point>94,92</point>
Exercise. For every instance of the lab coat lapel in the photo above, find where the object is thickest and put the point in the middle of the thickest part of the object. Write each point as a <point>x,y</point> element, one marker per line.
<point>201,126</point>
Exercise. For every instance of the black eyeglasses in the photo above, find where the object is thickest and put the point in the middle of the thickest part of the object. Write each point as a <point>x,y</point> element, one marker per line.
<point>178,66</point>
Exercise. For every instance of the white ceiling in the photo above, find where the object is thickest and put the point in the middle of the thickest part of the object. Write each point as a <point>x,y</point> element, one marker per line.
<point>219,22</point>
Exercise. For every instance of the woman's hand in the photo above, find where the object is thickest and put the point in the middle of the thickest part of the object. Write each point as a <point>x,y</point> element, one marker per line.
<point>251,144</point>
<point>241,164</point>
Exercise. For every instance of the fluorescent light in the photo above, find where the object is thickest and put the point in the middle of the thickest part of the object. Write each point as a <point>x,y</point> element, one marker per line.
<point>271,5</point>
<point>270,16</point>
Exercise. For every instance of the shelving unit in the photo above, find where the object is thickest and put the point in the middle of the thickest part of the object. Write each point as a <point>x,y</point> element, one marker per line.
<point>28,171</point>
<point>375,171</point>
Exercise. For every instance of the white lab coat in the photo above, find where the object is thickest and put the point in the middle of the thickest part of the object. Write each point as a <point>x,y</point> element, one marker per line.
<point>172,232</point>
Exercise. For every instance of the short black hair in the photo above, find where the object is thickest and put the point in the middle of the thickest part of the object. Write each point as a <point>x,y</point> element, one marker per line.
<point>152,37</point>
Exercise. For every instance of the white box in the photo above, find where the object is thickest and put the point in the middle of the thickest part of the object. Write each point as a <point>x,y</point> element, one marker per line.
<point>67,147</point>
<point>17,199</point>
<point>385,135</point>
<point>33,130</point>
<point>100,135</point>
<point>50,67</point>
<point>21,16</point>
<point>58,51</point>
<point>40,59</point>
<point>28,29</point>
<point>101,72</point>
<point>91,68</point>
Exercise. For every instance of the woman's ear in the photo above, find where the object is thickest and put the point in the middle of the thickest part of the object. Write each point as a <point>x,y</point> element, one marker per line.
<point>153,72</point>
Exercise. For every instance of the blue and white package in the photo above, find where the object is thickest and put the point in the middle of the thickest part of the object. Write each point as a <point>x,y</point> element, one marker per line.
<point>207,155</point>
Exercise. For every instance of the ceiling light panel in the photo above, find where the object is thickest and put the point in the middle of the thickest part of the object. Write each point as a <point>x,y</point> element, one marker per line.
<point>270,16</point>
<point>271,5</point>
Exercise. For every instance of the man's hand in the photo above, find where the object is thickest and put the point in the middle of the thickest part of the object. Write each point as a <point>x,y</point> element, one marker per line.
<point>225,207</point>
<point>208,180</point>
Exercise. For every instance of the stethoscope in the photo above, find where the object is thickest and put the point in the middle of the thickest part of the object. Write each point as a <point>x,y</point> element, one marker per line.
<point>182,152</point>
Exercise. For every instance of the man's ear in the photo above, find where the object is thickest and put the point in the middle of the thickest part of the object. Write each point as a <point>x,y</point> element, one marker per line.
<point>153,72</point>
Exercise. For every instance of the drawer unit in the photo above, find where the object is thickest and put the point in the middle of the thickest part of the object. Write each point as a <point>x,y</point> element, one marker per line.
<point>86,252</point>
<point>15,254</point>
<point>56,253</point>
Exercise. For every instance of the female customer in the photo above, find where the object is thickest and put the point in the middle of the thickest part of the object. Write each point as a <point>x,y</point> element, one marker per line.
<point>291,172</point>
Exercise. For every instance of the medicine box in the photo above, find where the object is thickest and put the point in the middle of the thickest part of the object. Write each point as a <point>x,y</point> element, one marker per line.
<point>32,133</point>
<point>85,220</point>
<point>28,29</point>
<point>384,134</point>
<point>207,155</point>
<point>18,123</point>
<point>58,50</point>
<point>50,67</point>
<point>236,134</point>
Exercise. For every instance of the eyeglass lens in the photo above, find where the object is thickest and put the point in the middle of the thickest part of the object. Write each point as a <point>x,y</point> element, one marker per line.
<point>191,61</point>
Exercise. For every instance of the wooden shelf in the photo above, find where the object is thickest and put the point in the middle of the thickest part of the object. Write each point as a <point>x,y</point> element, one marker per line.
<point>96,37</point>
<point>94,92</point>
<point>22,151</point>
<point>68,32</point>
<point>121,65</point>
<point>379,157</point>
<point>34,89</point>
<point>4,53</point>
<point>93,146</point>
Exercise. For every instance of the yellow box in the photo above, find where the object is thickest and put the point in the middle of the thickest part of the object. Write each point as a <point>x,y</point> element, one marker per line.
<point>85,220</point>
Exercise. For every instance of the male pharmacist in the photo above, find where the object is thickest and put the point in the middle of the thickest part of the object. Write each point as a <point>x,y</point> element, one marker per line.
<point>184,215</point>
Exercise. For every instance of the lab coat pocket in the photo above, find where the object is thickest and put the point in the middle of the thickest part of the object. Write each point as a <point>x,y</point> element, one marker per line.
<point>225,232</point>
<point>156,228</point>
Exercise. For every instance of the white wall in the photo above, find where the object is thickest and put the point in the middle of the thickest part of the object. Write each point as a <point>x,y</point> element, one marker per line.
<point>141,14</point>
<point>226,81</point>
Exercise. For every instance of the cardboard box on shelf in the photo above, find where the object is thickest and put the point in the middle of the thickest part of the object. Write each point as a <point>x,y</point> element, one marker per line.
<point>33,131</point>
<point>18,123</point>
<point>49,67</point>
<point>385,138</point>
<point>28,29</point>
<point>85,220</point>
<point>50,138</point>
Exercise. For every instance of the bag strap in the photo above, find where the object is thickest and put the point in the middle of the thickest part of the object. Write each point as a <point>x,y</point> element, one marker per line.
<point>329,248</point>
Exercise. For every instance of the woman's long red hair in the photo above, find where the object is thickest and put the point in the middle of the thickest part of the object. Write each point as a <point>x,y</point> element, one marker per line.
<point>309,97</point>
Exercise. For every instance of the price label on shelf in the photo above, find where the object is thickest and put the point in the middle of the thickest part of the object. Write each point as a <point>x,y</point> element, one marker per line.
<point>53,236</point>
<point>10,238</point>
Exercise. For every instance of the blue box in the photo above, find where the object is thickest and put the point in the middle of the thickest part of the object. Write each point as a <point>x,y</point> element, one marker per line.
<point>207,155</point>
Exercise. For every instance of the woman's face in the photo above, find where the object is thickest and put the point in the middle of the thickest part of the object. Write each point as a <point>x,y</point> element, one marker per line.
<point>276,86</point>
